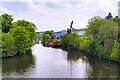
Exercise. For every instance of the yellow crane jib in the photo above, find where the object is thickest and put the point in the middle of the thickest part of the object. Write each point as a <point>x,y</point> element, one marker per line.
<point>55,40</point>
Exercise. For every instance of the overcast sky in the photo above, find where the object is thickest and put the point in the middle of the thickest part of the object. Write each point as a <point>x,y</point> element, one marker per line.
<point>57,15</point>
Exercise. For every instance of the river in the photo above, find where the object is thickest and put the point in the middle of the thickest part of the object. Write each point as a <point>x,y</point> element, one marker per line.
<point>47,62</point>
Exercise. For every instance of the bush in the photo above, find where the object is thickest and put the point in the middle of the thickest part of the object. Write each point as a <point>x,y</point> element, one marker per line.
<point>104,34</point>
<point>115,51</point>
<point>22,40</point>
<point>47,35</point>
<point>71,41</point>
<point>59,41</point>
<point>8,46</point>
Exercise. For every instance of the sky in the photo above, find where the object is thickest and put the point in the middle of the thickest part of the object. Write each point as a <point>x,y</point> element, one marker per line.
<point>57,14</point>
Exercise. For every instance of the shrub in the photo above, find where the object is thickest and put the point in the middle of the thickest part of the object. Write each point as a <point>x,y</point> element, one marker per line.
<point>71,41</point>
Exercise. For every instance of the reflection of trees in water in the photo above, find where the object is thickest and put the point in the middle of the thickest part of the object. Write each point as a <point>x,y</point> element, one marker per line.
<point>76,55</point>
<point>97,68</point>
<point>17,64</point>
<point>102,68</point>
<point>119,71</point>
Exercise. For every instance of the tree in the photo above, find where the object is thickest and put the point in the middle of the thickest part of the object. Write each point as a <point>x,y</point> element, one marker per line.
<point>8,47</point>
<point>93,26</point>
<point>108,32</point>
<point>22,39</point>
<point>24,35</point>
<point>103,32</point>
<point>26,24</point>
<point>109,16</point>
<point>71,41</point>
<point>48,32</point>
<point>47,35</point>
<point>17,37</point>
<point>30,27</point>
<point>116,19</point>
<point>6,22</point>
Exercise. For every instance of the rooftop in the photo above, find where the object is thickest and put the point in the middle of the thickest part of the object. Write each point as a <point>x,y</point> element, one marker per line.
<point>78,30</point>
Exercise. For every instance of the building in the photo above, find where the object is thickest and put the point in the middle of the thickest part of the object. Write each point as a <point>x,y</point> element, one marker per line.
<point>59,34</point>
<point>79,31</point>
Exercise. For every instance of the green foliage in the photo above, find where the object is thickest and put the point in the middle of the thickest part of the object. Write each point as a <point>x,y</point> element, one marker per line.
<point>6,22</point>
<point>8,46</point>
<point>102,39</point>
<point>17,37</point>
<point>116,19</point>
<point>115,51</point>
<point>30,27</point>
<point>71,41</point>
<point>47,35</point>
<point>40,34</point>
<point>22,39</point>
<point>104,34</point>
<point>59,41</point>
<point>84,42</point>
<point>93,26</point>
<point>48,32</point>
<point>52,38</point>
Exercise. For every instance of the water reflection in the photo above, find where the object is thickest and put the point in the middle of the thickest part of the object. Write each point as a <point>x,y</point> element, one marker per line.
<point>17,65</point>
<point>49,62</point>
<point>95,66</point>
<point>76,55</point>
<point>78,64</point>
<point>102,68</point>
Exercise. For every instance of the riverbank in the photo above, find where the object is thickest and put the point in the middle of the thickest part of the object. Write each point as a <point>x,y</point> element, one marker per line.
<point>73,41</point>
<point>47,62</point>
<point>101,39</point>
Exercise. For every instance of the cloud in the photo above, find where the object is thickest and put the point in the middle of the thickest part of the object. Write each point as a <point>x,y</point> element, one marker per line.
<point>58,15</point>
<point>4,10</point>
<point>109,5</point>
